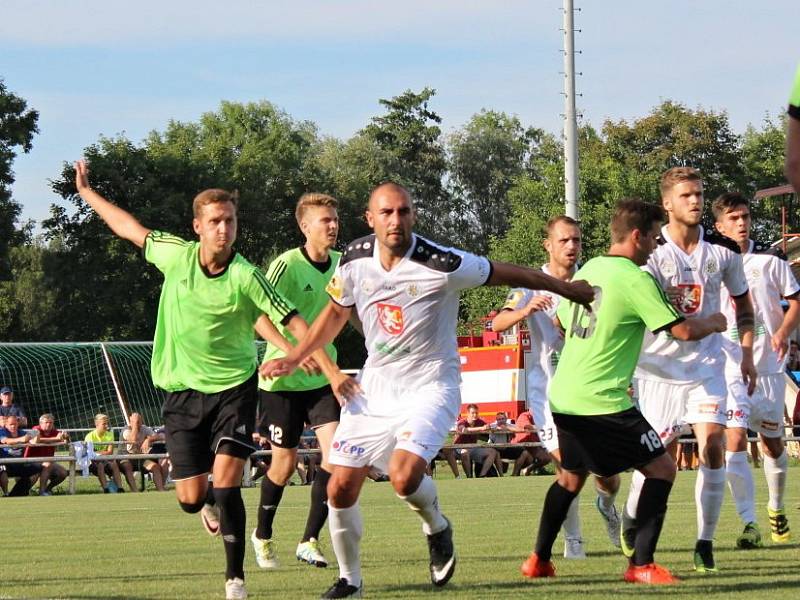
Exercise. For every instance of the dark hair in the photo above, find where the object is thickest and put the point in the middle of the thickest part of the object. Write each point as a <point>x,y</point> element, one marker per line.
<point>633,213</point>
<point>728,201</point>
<point>471,406</point>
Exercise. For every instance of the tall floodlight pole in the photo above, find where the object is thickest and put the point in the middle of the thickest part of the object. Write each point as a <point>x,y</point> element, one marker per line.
<point>570,119</point>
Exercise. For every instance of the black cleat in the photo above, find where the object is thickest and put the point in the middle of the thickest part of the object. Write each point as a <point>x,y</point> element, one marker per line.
<point>343,589</point>
<point>443,555</point>
<point>704,557</point>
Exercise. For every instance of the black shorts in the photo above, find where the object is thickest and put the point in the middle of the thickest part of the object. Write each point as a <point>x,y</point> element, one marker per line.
<point>96,465</point>
<point>284,414</point>
<point>23,469</point>
<point>199,425</point>
<point>512,453</point>
<point>606,444</point>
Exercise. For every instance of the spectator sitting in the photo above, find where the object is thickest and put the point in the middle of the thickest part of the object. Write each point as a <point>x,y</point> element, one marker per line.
<point>793,357</point>
<point>8,408</point>
<point>466,433</point>
<point>100,437</point>
<point>524,433</point>
<point>46,434</point>
<point>260,464</point>
<point>307,464</point>
<point>140,439</point>
<point>159,446</point>
<point>11,434</point>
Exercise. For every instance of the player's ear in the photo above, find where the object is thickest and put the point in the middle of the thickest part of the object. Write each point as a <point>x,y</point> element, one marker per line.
<point>718,227</point>
<point>369,219</point>
<point>196,225</point>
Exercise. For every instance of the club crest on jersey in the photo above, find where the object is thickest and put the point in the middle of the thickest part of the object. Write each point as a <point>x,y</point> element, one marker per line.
<point>390,318</point>
<point>690,298</point>
<point>367,286</point>
<point>513,299</point>
<point>712,266</point>
<point>334,287</point>
<point>668,267</point>
<point>412,289</point>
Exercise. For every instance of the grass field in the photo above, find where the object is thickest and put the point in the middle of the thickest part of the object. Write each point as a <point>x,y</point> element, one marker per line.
<point>143,546</point>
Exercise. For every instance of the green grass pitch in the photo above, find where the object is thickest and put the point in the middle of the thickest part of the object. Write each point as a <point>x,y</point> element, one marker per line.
<point>143,546</point>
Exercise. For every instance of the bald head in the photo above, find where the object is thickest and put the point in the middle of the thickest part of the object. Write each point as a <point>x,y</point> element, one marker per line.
<point>390,214</point>
<point>388,188</point>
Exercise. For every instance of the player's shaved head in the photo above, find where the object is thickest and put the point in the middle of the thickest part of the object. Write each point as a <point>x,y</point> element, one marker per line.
<point>389,187</point>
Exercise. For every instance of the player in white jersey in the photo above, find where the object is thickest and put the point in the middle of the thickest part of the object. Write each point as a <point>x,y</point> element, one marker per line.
<point>538,308</point>
<point>681,384</point>
<point>770,280</point>
<point>405,290</point>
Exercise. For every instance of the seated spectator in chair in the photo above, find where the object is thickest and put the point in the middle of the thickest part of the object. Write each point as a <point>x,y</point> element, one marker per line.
<point>793,357</point>
<point>259,465</point>
<point>8,408</point>
<point>500,433</point>
<point>307,464</point>
<point>159,446</point>
<point>46,434</point>
<point>467,431</point>
<point>24,472</point>
<point>100,437</point>
<point>524,433</point>
<point>140,439</point>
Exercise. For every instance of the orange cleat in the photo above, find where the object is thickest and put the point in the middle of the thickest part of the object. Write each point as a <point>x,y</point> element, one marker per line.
<point>533,567</point>
<point>651,574</point>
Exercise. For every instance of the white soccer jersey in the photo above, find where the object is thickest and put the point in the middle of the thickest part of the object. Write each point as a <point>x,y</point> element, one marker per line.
<point>546,338</point>
<point>770,279</point>
<point>699,276</point>
<point>409,314</point>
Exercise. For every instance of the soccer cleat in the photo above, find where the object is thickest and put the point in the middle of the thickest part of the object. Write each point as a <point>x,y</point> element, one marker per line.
<point>651,574</point>
<point>627,534</point>
<point>612,522</point>
<point>704,557</point>
<point>266,557</point>
<point>235,590</point>
<point>442,555</point>
<point>779,526</point>
<point>573,549</point>
<point>343,589</point>
<point>209,515</point>
<point>311,553</point>
<point>750,537</point>
<point>535,568</point>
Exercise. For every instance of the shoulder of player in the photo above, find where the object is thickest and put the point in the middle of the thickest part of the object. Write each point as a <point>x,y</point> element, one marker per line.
<point>720,241</point>
<point>360,248</point>
<point>768,250</point>
<point>162,237</point>
<point>435,257</point>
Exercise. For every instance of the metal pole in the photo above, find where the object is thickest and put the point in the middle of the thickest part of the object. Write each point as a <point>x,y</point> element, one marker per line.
<point>117,388</point>
<point>570,119</point>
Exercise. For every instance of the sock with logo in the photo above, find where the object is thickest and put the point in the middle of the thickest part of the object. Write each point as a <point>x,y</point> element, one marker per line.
<point>740,482</point>
<point>232,518</point>
<point>318,511</point>
<point>709,491</point>
<point>346,527</point>
<point>271,494</point>
<point>775,471</point>
<point>425,503</point>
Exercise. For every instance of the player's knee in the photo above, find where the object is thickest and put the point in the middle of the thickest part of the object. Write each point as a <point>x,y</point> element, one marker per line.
<point>405,483</point>
<point>280,473</point>
<point>191,507</point>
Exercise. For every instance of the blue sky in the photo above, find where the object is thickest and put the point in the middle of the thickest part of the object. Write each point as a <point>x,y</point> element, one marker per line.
<point>101,68</point>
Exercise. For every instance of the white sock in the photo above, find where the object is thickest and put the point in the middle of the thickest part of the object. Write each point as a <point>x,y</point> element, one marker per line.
<point>775,471</point>
<point>425,503</point>
<point>572,524</point>
<point>709,491</point>
<point>637,481</point>
<point>345,526</point>
<point>740,482</point>
<point>606,499</point>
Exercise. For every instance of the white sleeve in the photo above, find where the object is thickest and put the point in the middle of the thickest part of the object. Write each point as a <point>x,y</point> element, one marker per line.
<point>786,281</point>
<point>473,271</point>
<point>340,287</point>
<point>517,298</point>
<point>733,275</point>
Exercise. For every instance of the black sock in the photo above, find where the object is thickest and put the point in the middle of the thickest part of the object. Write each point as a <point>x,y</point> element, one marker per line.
<point>232,526</point>
<point>271,494</point>
<point>554,511</point>
<point>318,511</point>
<point>650,513</point>
<point>210,499</point>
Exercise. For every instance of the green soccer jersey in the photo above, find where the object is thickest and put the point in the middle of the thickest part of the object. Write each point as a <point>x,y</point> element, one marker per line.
<point>303,282</point>
<point>794,98</point>
<point>204,333</point>
<point>601,346</point>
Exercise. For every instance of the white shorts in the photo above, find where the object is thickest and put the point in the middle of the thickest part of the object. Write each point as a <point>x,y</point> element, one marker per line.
<point>386,418</point>
<point>671,407</point>
<point>543,419</point>
<point>763,411</point>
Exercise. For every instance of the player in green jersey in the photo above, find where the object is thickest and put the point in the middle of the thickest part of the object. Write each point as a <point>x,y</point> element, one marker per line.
<point>599,429</point>
<point>793,136</point>
<point>204,356</point>
<point>290,402</point>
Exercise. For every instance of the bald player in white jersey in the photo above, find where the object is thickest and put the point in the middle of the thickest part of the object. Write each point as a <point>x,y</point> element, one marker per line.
<point>770,280</point>
<point>538,308</point>
<point>682,384</point>
<point>405,290</point>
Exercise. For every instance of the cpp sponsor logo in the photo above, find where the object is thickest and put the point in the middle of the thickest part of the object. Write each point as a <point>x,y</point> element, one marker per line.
<point>345,447</point>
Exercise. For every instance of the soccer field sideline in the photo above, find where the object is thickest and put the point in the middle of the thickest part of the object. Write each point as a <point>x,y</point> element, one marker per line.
<point>142,546</point>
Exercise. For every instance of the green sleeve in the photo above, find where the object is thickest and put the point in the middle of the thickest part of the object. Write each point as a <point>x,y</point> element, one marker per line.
<point>162,249</point>
<point>265,297</point>
<point>280,277</point>
<point>649,302</point>
<point>794,98</point>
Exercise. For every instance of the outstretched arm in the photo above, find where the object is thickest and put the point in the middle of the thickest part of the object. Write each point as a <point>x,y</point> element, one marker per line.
<point>119,221</point>
<point>691,330</point>
<point>509,317</point>
<point>517,276</point>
